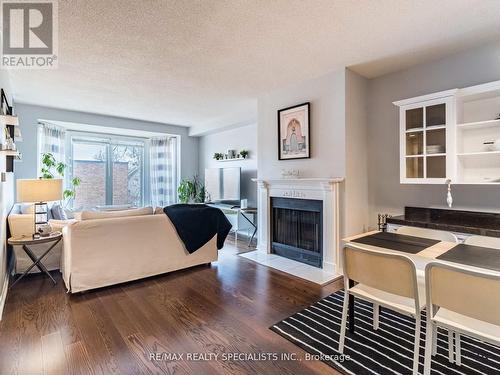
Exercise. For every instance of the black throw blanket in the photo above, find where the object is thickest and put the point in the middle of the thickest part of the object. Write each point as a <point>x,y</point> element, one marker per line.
<point>196,224</point>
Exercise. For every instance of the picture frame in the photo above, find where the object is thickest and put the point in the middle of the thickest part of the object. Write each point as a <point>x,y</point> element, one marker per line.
<point>294,132</point>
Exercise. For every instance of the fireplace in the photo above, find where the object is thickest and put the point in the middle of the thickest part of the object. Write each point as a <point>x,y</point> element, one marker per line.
<point>314,261</point>
<point>297,229</point>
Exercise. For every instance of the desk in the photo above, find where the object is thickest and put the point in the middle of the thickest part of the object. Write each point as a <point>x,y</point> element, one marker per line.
<point>422,251</point>
<point>244,212</point>
<point>253,212</point>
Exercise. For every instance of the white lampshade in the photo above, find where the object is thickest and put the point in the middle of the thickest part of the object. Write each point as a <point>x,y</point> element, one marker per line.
<point>39,190</point>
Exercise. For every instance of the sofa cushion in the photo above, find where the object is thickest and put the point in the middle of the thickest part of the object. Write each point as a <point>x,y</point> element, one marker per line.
<point>115,207</point>
<point>27,208</point>
<point>91,215</point>
<point>58,212</point>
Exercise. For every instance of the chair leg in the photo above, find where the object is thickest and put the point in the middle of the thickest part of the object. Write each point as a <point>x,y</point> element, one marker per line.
<point>417,345</point>
<point>376,315</point>
<point>429,339</point>
<point>434,339</point>
<point>450,346</point>
<point>458,350</point>
<point>344,322</point>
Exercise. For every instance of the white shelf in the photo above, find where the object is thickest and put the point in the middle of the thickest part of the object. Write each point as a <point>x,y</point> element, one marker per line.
<point>9,152</point>
<point>427,128</point>
<point>479,124</point>
<point>415,156</point>
<point>16,154</point>
<point>436,154</point>
<point>232,159</point>
<point>435,127</point>
<point>475,182</point>
<point>480,153</point>
<point>9,120</point>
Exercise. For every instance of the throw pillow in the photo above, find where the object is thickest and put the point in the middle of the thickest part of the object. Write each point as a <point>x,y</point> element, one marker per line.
<point>58,212</point>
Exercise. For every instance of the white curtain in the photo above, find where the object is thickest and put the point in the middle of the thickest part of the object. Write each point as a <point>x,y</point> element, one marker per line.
<point>163,164</point>
<point>52,139</point>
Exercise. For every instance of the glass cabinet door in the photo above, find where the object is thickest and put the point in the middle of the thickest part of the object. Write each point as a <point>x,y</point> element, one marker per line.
<point>425,141</point>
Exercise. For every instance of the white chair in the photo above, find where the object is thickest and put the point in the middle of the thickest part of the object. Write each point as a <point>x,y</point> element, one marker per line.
<point>482,241</point>
<point>432,234</point>
<point>462,301</point>
<point>384,279</point>
<point>439,235</point>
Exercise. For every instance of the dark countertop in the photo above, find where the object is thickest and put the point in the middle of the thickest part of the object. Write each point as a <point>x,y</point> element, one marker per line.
<point>470,222</point>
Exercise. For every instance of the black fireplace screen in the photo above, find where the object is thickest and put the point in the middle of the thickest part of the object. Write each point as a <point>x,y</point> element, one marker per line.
<point>297,229</point>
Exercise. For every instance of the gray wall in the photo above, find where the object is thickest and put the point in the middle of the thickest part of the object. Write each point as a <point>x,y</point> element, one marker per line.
<point>386,194</point>
<point>327,97</point>
<point>338,138</point>
<point>244,137</point>
<point>6,201</point>
<point>30,114</point>
<point>355,198</point>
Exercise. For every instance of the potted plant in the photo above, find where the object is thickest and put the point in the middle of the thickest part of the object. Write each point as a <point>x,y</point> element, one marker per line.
<point>49,163</point>
<point>218,156</point>
<point>191,191</point>
<point>244,153</point>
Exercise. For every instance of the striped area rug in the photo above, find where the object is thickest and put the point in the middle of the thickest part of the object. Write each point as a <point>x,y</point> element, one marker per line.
<point>389,350</point>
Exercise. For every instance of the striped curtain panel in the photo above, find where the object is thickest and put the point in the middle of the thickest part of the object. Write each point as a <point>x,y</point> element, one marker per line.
<point>163,163</point>
<point>52,139</point>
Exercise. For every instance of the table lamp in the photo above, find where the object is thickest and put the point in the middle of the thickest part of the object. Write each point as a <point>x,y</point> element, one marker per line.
<point>39,191</point>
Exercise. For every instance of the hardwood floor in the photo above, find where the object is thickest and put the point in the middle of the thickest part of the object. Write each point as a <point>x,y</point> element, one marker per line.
<point>223,308</point>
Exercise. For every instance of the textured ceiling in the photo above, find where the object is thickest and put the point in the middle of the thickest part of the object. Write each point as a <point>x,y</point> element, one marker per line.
<point>203,63</point>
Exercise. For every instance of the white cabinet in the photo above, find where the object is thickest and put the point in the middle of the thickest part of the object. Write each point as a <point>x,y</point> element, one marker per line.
<point>426,138</point>
<point>451,135</point>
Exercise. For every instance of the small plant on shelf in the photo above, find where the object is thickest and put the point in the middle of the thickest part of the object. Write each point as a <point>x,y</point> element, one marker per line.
<point>218,156</point>
<point>244,153</point>
<point>49,164</point>
<point>191,191</point>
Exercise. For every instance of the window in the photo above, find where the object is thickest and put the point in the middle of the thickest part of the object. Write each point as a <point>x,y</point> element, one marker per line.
<point>112,170</point>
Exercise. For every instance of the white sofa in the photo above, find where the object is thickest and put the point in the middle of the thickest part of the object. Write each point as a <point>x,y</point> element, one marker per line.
<point>106,248</point>
<point>21,224</point>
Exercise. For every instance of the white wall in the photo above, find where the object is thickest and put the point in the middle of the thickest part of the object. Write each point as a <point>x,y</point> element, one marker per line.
<point>244,137</point>
<point>327,97</point>
<point>386,194</point>
<point>30,114</point>
<point>6,201</point>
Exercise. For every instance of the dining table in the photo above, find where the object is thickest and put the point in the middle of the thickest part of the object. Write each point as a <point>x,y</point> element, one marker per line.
<point>423,251</point>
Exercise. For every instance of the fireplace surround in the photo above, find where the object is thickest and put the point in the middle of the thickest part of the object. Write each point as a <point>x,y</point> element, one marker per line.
<point>309,190</point>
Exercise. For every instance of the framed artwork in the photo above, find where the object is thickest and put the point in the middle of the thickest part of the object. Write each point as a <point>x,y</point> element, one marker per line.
<point>293,132</point>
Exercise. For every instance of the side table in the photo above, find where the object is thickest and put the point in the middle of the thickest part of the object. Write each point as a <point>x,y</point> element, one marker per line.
<point>25,242</point>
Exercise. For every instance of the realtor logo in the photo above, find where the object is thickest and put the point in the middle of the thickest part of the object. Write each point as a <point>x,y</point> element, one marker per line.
<point>29,34</point>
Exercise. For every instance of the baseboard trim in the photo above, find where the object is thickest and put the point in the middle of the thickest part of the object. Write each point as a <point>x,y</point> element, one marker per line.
<point>3,295</point>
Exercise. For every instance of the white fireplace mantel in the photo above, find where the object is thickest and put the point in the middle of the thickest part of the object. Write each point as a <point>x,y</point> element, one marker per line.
<point>313,181</point>
<point>324,189</point>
